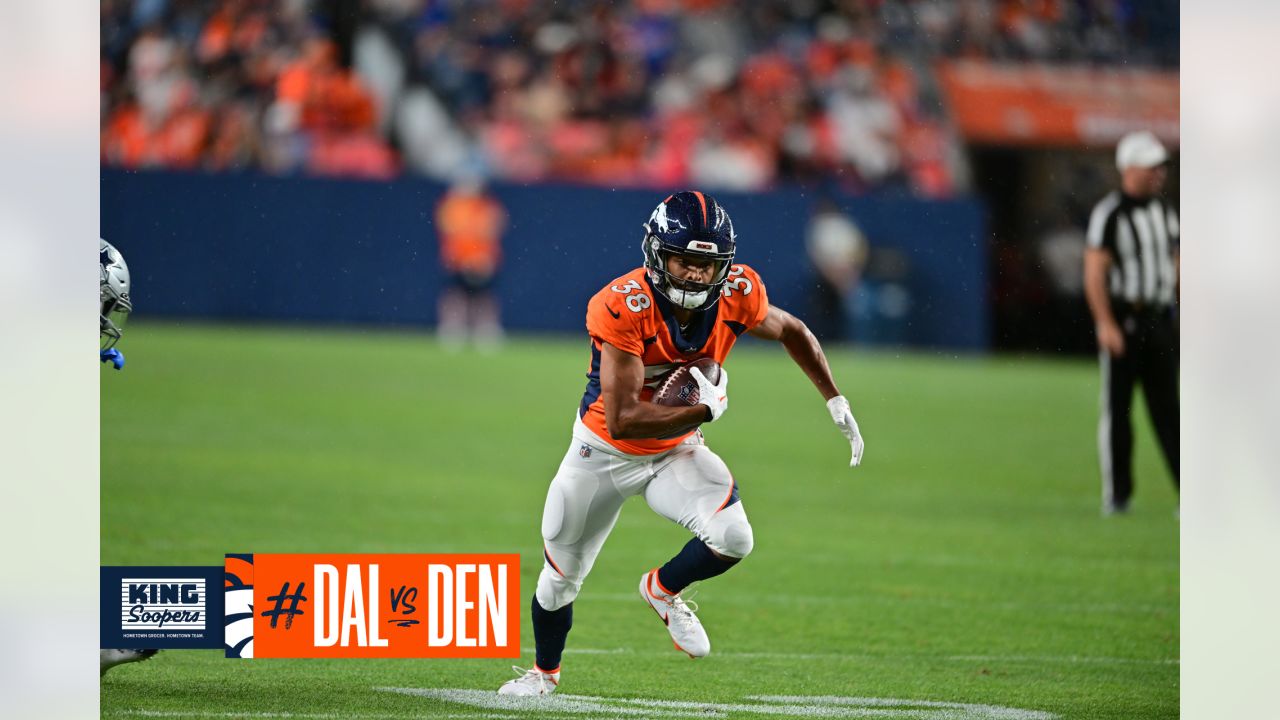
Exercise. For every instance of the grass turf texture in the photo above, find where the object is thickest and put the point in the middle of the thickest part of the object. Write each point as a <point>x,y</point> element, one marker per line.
<point>965,561</point>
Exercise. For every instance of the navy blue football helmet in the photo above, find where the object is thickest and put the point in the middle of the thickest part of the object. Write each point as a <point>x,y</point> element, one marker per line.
<point>689,223</point>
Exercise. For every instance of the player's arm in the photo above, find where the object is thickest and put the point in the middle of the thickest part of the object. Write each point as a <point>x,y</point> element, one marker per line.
<point>1097,263</point>
<point>801,345</point>
<point>625,414</point>
<point>804,349</point>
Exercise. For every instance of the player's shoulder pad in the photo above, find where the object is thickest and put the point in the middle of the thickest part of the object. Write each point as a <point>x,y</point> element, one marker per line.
<point>619,313</point>
<point>745,271</point>
<point>744,296</point>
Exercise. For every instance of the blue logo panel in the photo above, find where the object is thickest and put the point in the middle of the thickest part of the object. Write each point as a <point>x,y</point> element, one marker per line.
<point>161,607</point>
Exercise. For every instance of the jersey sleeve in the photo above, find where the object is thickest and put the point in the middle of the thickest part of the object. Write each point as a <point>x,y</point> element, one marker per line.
<point>745,283</point>
<point>1101,230</point>
<point>611,320</point>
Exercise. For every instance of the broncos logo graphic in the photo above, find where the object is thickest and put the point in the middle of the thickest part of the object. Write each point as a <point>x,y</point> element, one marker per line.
<point>238,620</point>
<point>664,223</point>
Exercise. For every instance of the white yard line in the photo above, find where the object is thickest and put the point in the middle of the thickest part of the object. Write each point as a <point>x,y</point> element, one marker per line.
<point>1067,659</point>
<point>820,706</point>
<point>561,706</point>
<point>890,599</point>
<point>829,656</point>
<point>300,715</point>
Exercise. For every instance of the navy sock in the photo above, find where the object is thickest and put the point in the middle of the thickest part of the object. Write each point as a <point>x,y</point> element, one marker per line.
<point>550,630</point>
<point>694,562</point>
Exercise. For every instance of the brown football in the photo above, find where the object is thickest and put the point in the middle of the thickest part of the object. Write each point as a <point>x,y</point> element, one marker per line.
<point>679,389</point>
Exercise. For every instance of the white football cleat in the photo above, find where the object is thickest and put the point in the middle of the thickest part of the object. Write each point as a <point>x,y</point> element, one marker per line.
<point>108,659</point>
<point>531,683</point>
<point>685,628</point>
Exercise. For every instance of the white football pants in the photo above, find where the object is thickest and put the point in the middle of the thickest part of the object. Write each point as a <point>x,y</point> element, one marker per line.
<point>688,484</point>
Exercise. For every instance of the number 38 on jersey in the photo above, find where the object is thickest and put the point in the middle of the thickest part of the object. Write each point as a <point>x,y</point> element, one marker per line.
<point>636,301</point>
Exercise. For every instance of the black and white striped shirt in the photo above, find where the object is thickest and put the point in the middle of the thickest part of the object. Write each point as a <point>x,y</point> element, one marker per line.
<point>1142,237</point>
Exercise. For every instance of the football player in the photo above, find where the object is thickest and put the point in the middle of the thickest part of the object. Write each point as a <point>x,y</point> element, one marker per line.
<point>113,291</point>
<point>113,294</point>
<point>688,301</point>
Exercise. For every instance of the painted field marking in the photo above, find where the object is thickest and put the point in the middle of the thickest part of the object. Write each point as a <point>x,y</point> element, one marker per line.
<point>748,655</point>
<point>824,706</point>
<point>889,599</point>
<point>300,715</point>
<point>1070,659</point>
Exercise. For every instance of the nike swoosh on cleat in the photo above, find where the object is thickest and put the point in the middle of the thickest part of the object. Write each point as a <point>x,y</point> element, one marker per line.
<point>666,619</point>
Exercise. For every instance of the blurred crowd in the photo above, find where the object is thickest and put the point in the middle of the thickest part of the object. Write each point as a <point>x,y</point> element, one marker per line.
<point>719,94</point>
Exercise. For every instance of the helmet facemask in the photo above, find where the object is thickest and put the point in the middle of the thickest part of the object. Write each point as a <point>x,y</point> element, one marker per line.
<point>687,294</point>
<point>115,310</point>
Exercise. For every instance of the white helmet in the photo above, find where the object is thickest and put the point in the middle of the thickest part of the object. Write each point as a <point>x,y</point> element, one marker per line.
<point>114,293</point>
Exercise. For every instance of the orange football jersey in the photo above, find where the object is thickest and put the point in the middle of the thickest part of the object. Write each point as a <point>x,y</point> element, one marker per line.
<point>470,229</point>
<point>631,315</point>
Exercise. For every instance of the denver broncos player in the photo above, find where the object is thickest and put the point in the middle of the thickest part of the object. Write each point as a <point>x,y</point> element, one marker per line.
<point>688,301</point>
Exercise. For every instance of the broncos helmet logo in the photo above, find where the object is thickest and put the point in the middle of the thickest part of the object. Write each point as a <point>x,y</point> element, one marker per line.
<point>665,223</point>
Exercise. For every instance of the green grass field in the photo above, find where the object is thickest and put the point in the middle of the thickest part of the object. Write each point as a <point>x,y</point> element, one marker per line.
<point>965,562</point>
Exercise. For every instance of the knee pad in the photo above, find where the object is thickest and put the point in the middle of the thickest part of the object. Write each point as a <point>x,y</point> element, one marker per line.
<point>729,532</point>
<point>554,590</point>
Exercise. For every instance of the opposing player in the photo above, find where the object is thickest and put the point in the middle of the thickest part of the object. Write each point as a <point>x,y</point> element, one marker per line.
<point>115,306</point>
<point>113,291</point>
<point>689,301</point>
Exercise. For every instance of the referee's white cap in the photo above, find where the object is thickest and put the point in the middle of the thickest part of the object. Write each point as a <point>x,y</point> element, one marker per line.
<point>1140,149</point>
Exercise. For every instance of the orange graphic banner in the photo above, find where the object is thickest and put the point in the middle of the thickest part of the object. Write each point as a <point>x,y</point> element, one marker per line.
<point>372,606</point>
<point>1064,106</point>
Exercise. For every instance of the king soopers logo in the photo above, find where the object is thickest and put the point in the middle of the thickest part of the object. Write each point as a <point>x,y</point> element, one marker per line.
<point>163,603</point>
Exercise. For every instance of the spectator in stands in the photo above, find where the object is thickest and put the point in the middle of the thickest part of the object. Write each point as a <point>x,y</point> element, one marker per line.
<point>653,92</point>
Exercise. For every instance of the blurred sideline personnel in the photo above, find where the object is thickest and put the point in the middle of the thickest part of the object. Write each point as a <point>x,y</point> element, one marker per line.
<point>113,292</point>
<point>838,250</point>
<point>1131,283</point>
<point>470,223</point>
<point>689,301</point>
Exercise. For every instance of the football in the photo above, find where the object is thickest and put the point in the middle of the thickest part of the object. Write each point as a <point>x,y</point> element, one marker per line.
<point>679,389</point>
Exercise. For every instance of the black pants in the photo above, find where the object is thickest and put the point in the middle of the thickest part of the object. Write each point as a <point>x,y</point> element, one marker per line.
<point>1151,359</point>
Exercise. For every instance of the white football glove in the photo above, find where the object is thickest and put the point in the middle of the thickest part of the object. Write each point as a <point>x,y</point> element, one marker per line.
<point>716,396</point>
<point>843,418</point>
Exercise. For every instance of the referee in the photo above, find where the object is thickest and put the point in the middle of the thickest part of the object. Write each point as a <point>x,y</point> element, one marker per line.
<point>1131,283</point>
